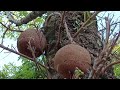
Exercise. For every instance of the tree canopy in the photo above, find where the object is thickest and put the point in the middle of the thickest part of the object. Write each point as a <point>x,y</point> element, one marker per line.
<point>12,23</point>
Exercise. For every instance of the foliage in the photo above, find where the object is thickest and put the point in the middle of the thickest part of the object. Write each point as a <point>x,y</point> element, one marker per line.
<point>117,66</point>
<point>28,69</point>
<point>8,70</point>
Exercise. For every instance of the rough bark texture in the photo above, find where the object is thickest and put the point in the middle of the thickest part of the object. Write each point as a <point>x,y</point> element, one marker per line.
<point>87,38</point>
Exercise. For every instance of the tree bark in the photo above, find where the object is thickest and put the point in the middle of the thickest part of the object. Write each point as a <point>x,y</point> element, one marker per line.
<point>87,38</point>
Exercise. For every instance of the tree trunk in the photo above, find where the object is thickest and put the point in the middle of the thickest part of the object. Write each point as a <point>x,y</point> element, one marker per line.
<point>87,38</point>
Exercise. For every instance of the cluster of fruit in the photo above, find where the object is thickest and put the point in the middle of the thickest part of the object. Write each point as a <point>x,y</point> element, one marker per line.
<point>67,58</point>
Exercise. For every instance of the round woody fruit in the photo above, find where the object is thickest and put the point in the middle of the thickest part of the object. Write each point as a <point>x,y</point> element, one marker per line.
<point>31,41</point>
<point>70,57</point>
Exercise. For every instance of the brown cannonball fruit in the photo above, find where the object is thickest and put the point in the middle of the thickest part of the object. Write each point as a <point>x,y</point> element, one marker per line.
<point>69,57</point>
<point>31,38</point>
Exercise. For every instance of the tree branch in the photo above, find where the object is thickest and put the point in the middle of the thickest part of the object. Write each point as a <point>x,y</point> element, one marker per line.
<point>10,28</point>
<point>25,20</point>
<point>117,62</point>
<point>68,33</point>
<point>4,35</point>
<point>112,46</point>
<point>59,30</point>
<point>114,42</point>
<point>6,48</point>
<point>110,25</point>
<point>107,30</point>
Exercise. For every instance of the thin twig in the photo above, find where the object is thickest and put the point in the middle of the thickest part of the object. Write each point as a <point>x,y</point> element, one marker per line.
<point>91,23</point>
<point>109,52</point>
<point>92,72</point>
<point>112,46</point>
<point>85,23</point>
<point>4,36</point>
<point>68,33</point>
<point>101,55</point>
<point>117,62</point>
<point>59,30</point>
<point>49,17</point>
<point>105,48</point>
<point>102,17</point>
<point>6,48</point>
<point>114,42</point>
<point>65,24</point>
<point>115,25</point>
<point>25,20</point>
<point>63,17</point>
<point>99,69</point>
<point>116,50</point>
<point>96,65</point>
<point>102,25</point>
<point>6,56</point>
<point>32,49</point>
<point>117,57</point>
<point>5,33</point>
<point>110,25</point>
<point>97,62</point>
<point>107,31</point>
<point>113,29</point>
<point>13,47</point>
<point>104,54</point>
<point>10,28</point>
<point>2,50</point>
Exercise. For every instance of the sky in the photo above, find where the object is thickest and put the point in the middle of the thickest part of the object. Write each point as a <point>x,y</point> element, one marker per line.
<point>7,57</point>
<point>111,13</point>
<point>115,16</point>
